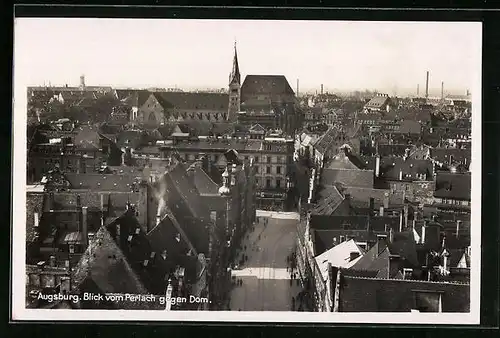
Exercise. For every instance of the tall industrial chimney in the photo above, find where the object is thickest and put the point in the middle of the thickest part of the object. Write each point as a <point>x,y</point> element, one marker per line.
<point>418,90</point>
<point>321,89</point>
<point>297,93</point>
<point>442,90</point>
<point>82,82</point>
<point>427,86</point>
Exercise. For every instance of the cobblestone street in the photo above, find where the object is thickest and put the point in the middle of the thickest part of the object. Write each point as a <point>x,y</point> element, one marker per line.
<point>266,283</point>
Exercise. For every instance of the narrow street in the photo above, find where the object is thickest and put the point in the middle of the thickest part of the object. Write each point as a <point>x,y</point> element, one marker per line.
<point>266,283</point>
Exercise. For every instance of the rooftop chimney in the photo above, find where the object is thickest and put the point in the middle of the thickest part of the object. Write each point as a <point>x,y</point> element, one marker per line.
<point>82,82</point>
<point>52,261</point>
<point>424,227</point>
<point>427,85</point>
<point>394,261</point>
<point>386,200</point>
<point>353,255</point>
<point>459,224</point>
<point>85,226</point>
<point>377,165</point>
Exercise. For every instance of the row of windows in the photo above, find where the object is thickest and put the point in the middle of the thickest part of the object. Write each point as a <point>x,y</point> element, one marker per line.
<point>452,202</point>
<point>269,183</point>
<point>268,170</point>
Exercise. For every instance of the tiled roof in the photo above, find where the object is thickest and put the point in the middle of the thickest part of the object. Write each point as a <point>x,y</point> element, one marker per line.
<point>103,182</point>
<point>204,183</point>
<point>453,186</point>
<point>338,256</point>
<point>265,84</point>
<point>360,195</point>
<point>92,199</point>
<point>106,265</point>
<point>329,203</point>
<point>324,240</point>
<point>329,139</point>
<point>232,157</point>
<point>345,161</point>
<point>390,168</point>
<point>165,237</point>
<point>377,102</point>
<point>361,294</point>
<point>130,138</point>
<point>150,268</point>
<point>325,222</point>
<point>414,114</point>
<point>186,204</point>
<point>87,137</point>
<point>393,149</point>
<point>193,101</point>
<point>348,177</point>
<point>409,127</point>
<point>445,155</point>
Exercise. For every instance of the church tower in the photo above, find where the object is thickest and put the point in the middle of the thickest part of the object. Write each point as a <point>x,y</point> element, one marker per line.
<point>234,88</point>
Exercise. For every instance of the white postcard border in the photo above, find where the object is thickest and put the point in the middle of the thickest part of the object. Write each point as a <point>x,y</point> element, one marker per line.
<point>18,277</point>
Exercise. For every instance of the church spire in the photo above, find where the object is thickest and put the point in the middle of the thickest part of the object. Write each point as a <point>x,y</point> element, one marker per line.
<point>235,73</point>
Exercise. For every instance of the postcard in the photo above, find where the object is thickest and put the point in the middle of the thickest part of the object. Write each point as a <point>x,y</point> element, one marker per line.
<point>246,171</point>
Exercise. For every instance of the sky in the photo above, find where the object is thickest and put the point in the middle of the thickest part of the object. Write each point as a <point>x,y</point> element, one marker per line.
<point>389,57</point>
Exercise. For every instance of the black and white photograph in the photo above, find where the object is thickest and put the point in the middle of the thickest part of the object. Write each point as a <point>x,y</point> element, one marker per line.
<point>247,171</point>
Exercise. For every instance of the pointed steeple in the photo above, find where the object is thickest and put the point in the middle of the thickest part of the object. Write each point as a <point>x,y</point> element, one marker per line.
<point>234,77</point>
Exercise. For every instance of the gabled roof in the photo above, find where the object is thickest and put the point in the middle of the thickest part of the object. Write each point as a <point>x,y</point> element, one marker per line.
<point>345,160</point>
<point>105,264</point>
<point>377,102</point>
<point>361,195</point>
<point>193,101</point>
<point>338,256</point>
<point>232,157</point>
<point>453,186</point>
<point>377,258</point>
<point>348,177</point>
<point>204,184</point>
<point>393,150</point>
<point>368,294</point>
<point>265,84</point>
<point>130,138</point>
<point>390,168</point>
<point>87,137</point>
<point>409,127</point>
<point>102,182</point>
<point>329,203</point>
<point>187,206</point>
<point>326,222</point>
<point>445,155</point>
<point>257,128</point>
<point>330,138</point>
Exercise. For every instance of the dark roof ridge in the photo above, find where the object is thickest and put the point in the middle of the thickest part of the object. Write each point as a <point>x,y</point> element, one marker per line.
<point>406,280</point>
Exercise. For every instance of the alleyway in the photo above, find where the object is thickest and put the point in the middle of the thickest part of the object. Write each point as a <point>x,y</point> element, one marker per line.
<point>266,283</point>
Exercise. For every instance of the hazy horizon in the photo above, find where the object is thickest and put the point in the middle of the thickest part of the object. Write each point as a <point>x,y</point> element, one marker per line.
<point>390,57</point>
